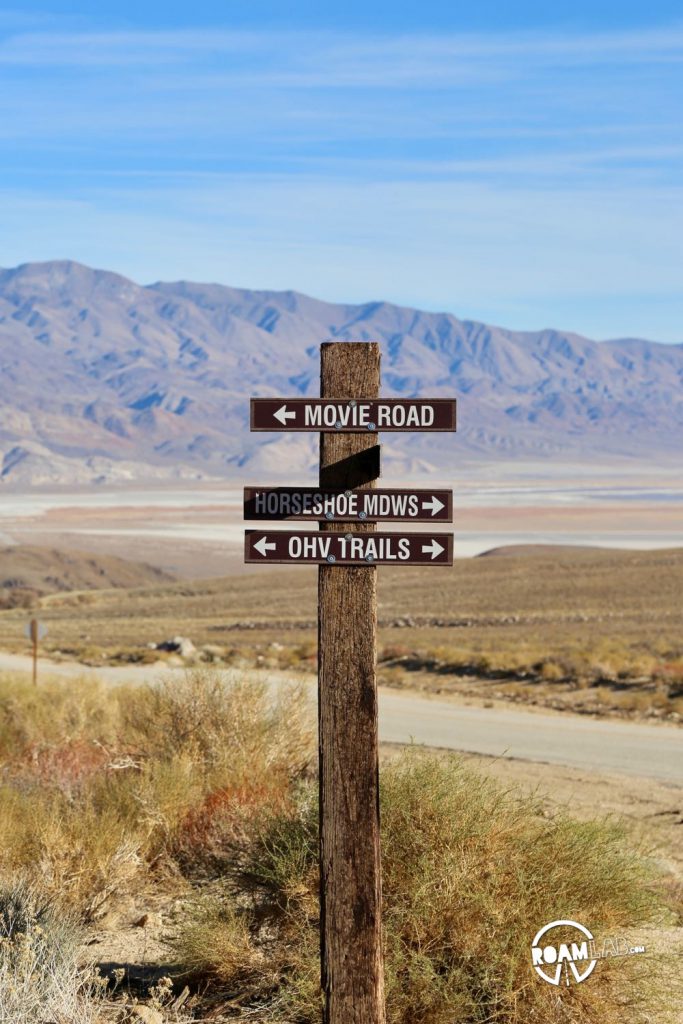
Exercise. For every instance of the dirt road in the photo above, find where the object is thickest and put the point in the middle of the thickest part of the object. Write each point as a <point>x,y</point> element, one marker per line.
<point>623,748</point>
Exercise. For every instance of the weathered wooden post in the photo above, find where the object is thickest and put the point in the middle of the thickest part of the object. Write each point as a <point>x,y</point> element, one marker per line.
<point>34,638</point>
<point>35,631</point>
<point>352,971</point>
<point>347,550</point>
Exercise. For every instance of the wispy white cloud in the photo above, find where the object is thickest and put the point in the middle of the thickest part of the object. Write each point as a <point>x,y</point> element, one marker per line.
<point>321,87</point>
<point>454,171</point>
<point>305,59</point>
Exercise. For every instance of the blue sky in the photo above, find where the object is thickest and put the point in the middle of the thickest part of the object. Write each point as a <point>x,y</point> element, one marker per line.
<point>518,164</point>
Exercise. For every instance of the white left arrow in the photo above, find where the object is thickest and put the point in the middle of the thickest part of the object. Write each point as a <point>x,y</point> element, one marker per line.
<point>435,548</point>
<point>435,505</point>
<point>282,415</point>
<point>263,547</point>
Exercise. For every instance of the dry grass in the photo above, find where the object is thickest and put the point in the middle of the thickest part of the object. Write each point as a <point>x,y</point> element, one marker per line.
<point>215,939</point>
<point>41,976</point>
<point>98,786</point>
<point>560,617</point>
<point>201,787</point>
<point>470,874</point>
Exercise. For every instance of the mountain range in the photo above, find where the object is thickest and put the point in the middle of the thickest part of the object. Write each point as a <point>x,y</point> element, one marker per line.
<point>105,380</point>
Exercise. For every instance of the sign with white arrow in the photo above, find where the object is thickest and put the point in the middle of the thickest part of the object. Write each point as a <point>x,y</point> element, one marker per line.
<point>373,505</point>
<point>326,548</point>
<point>263,547</point>
<point>282,415</point>
<point>35,630</point>
<point>352,416</point>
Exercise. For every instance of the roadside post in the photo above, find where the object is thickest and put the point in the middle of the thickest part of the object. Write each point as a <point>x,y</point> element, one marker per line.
<point>347,550</point>
<point>35,631</point>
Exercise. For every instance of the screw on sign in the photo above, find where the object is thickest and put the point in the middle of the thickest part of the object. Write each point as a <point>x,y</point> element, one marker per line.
<point>348,550</point>
<point>292,547</point>
<point>35,631</point>
<point>313,503</point>
<point>352,414</point>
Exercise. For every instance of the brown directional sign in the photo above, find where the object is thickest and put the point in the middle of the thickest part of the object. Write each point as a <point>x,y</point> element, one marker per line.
<point>348,548</point>
<point>352,416</point>
<point>377,505</point>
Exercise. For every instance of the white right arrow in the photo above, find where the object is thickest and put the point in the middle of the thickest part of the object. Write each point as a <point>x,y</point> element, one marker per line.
<point>435,548</point>
<point>435,505</point>
<point>282,415</point>
<point>263,547</point>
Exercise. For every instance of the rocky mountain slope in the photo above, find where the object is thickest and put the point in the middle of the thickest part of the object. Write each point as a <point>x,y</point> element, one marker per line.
<point>103,379</point>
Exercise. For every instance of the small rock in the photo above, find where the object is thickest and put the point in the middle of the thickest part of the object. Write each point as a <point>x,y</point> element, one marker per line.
<point>181,645</point>
<point>184,646</point>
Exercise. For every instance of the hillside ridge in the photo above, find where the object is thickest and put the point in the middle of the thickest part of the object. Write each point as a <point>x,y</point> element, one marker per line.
<point>104,380</point>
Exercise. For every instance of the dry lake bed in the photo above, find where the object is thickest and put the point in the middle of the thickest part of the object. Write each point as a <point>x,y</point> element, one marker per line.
<point>196,530</point>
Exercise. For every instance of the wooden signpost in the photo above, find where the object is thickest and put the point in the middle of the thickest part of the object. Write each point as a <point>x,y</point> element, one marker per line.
<point>348,415</point>
<point>35,631</point>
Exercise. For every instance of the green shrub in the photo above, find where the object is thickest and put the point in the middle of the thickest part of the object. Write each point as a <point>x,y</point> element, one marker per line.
<point>215,939</point>
<point>471,872</point>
